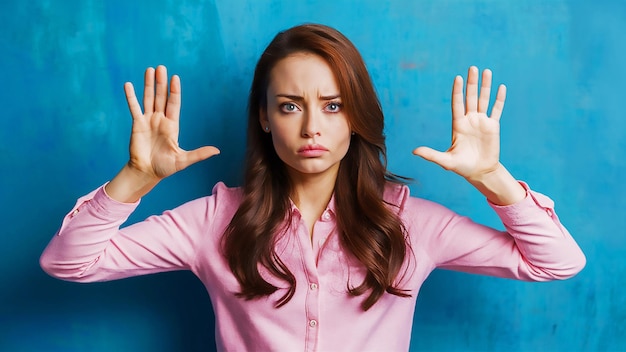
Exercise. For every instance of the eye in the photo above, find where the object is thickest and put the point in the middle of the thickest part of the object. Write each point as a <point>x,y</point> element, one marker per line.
<point>288,107</point>
<point>333,106</point>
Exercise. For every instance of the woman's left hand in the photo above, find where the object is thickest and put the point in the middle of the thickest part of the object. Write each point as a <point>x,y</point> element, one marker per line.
<point>475,149</point>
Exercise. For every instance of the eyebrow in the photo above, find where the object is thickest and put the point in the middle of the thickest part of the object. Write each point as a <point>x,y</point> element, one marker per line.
<point>299,98</point>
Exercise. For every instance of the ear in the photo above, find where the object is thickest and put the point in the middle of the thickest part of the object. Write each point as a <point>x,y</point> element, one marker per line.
<point>263,120</point>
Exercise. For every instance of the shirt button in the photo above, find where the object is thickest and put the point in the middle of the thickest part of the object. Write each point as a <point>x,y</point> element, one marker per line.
<point>312,323</point>
<point>74,213</point>
<point>313,286</point>
<point>326,215</point>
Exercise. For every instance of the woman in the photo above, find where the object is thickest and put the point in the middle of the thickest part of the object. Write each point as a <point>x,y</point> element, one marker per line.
<point>321,248</point>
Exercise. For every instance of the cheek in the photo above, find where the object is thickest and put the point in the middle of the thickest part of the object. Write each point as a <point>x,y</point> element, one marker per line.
<point>343,137</point>
<point>280,142</point>
<point>346,146</point>
<point>343,132</point>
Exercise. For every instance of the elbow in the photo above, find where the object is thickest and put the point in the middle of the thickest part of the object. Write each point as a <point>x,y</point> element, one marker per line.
<point>574,266</point>
<point>51,267</point>
<point>564,270</point>
<point>579,264</point>
<point>47,264</point>
<point>63,270</point>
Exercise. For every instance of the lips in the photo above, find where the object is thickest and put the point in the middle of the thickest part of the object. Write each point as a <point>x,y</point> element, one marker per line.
<point>312,150</point>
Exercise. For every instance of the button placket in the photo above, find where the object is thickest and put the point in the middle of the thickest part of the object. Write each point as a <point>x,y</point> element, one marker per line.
<point>311,303</point>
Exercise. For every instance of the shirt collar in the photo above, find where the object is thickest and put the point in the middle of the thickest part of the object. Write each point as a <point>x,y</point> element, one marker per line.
<point>328,213</point>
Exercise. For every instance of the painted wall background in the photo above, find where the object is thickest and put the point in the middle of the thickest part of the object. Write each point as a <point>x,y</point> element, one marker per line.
<point>65,130</point>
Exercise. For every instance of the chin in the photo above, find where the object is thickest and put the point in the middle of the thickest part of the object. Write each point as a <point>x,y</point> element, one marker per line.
<point>314,169</point>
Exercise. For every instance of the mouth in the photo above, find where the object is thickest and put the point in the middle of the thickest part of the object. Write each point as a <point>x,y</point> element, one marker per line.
<point>312,150</point>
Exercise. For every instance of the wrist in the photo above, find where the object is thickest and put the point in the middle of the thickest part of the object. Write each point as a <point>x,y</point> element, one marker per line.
<point>130,185</point>
<point>499,186</point>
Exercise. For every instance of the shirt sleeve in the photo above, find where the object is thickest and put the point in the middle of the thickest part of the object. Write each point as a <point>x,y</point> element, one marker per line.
<point>534,247</point>
<point>90,246</point>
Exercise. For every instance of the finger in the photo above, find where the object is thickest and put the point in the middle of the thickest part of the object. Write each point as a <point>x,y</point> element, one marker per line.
<point>148,91</point>
<point>471,92</point>
<point>173,101</point>
<point>161,89</point>
<point>458,109</point>
<point>498,106</point>
<point>196,155</point>
<point>131,99</point>
<point>442,159</point>
<point>485,92</point>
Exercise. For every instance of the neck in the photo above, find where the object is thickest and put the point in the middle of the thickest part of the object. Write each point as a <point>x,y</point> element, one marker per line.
<point>311,193</point>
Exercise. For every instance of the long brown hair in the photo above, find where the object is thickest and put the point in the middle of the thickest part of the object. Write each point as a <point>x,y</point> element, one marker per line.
<point>368,227</point>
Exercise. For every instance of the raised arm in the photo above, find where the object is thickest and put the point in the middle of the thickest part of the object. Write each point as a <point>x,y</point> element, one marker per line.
<point>536,246</point>
<point>90,246</point>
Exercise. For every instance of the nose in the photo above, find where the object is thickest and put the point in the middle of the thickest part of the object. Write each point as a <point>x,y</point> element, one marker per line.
<point>311,124</point>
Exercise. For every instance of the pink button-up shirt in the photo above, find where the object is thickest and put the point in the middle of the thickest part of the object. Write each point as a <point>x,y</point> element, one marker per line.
<point>321,316</point>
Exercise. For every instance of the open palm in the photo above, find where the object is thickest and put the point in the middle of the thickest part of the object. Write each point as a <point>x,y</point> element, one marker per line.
<point>154,149</point>
<point>475,147</point>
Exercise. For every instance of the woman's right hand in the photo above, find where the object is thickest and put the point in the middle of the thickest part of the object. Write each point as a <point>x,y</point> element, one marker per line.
<point>154,150</point>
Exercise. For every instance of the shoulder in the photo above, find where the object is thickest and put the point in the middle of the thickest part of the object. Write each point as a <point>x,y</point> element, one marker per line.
<point>225,193</point>
<point>221,203</point>
<point>225,198</point>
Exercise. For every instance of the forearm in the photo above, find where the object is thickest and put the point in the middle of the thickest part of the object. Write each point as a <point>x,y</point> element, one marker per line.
<point>499,186</point>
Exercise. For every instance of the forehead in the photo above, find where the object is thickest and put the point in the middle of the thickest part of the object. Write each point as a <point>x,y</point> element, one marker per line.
<point>303,73</point>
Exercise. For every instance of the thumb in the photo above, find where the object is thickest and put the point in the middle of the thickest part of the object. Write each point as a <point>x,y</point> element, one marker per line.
<point>196,155</point>
<point>437,157</point>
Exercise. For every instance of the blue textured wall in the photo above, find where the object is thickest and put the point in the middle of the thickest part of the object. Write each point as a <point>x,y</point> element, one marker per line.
<point>65,130</point>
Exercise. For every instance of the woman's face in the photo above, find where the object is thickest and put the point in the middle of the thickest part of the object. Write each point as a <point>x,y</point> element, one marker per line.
<point>309,128</point>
